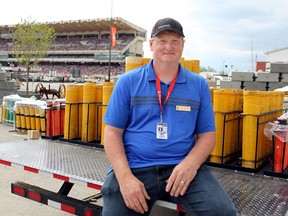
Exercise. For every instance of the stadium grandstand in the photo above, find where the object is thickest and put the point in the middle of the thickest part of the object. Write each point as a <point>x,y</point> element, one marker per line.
<point>82,50</point>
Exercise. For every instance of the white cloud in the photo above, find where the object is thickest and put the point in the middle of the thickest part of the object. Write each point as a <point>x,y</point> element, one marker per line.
<point>216,31</point>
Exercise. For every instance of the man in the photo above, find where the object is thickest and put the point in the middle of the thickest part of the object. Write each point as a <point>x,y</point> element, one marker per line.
<point>159,131</point>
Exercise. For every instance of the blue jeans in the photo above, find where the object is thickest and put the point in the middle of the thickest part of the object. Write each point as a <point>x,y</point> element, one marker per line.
<point>204,196</point>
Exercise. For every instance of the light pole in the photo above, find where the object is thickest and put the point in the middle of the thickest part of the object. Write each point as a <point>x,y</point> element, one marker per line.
<point>223,69</point>
<point>110,44</point>
<point>252,60</point>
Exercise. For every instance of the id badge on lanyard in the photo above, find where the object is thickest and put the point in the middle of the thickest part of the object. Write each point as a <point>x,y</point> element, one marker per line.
<point>162,128</point>
<point>162,131</point>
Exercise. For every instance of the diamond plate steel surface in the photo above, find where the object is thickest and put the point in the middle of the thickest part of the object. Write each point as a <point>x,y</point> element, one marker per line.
<point>254,194</point>
<point>82,163</point>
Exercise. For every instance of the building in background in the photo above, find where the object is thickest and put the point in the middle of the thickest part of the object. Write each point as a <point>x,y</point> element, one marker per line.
<point>276,55</point>
<point>83,48</point>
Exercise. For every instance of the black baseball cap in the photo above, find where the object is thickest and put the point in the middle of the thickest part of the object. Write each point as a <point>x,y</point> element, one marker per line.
<point>167,24</point>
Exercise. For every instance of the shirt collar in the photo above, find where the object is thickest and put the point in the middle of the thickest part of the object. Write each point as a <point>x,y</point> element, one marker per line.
<point>151,73</point>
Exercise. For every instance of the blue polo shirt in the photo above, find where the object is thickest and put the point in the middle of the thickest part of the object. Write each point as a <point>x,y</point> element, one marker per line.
<point>134,107</point>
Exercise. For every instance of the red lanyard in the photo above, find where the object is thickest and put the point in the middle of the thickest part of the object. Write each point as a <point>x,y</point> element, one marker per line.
<point>158,87</point>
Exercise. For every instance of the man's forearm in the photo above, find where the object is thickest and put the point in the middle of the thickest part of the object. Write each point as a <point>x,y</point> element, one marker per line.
<point>202,149</point>
<point>115,152</point>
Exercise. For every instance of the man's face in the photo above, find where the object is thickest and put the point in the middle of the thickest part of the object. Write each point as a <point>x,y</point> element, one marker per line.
<point>167,47</point>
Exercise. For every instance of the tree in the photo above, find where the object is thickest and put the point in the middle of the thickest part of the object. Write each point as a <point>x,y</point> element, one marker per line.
<point>31,42</point>
<point>210,69</point>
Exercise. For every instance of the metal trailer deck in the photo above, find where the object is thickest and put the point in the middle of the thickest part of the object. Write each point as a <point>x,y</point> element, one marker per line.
<point>252,194</point>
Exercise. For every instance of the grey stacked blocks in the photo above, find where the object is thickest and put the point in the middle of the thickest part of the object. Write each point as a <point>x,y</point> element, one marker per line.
<point>274,77</point>
<point>7,87</point>
<point>238,79</point>
<point>242,76</point>
<point>267,77</point>
<point>276,67</point>
<point>230,84</point>
<point>284,77</point>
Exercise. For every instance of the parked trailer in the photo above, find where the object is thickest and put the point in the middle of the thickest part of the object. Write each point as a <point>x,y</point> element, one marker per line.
<point>252,194</point>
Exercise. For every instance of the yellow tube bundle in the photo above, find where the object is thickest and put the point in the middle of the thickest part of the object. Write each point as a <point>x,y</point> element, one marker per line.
<point>32,117</point>
<point>257,111</point>
<point>99,100</point>
<point>132,62</point>
<point>107,91</point>
<point>192,65</point>
<point>18,119</point>
<point>227,106</point>
<point>71,129</point>
<point>89,112</point>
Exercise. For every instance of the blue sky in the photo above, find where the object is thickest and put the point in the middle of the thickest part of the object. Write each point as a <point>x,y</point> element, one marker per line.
<point>218,32</point>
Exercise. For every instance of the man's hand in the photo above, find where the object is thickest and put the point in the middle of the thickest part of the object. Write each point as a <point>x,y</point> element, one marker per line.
<point>180,179</point>
<point>134,194</point>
